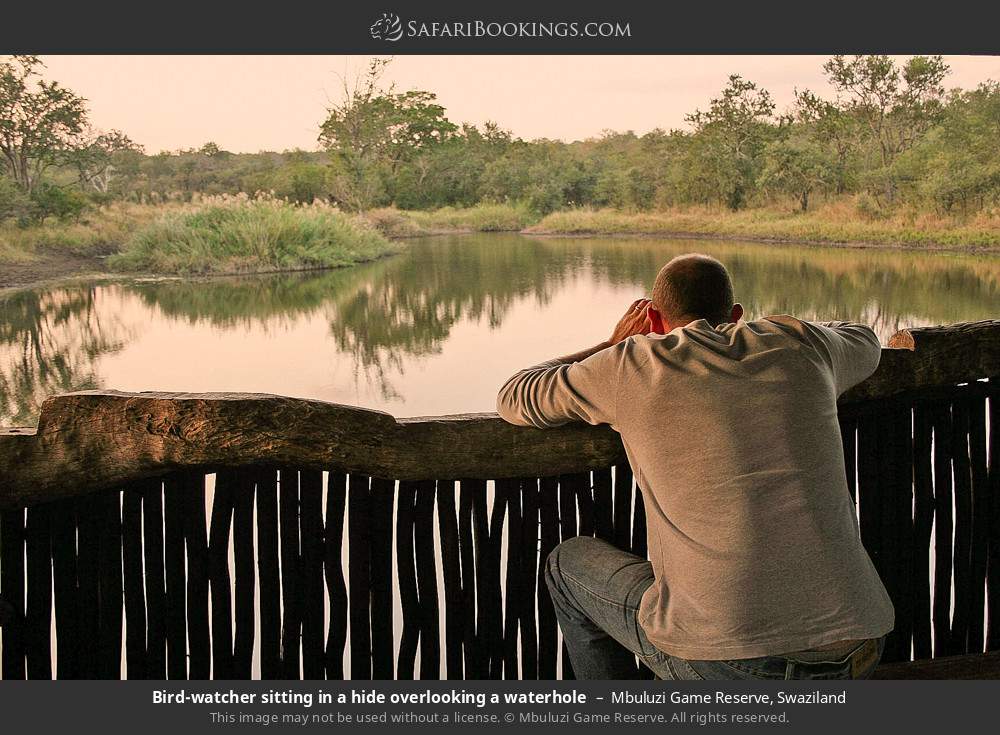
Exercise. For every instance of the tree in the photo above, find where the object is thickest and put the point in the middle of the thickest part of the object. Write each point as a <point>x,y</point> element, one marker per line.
<point>897,106</point>
<point>210,149</point>
<point>957,164</point>
<point>451,173</point>
<point>544,174</point>
<point>102,157</point>
<point>373,130</point>
<point>730,137</point>
<point>40,122</point>
<point>834,131</point>
<point>796,164</point>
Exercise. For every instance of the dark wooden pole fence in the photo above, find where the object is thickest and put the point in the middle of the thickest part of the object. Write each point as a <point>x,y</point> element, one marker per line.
<point>248,536</point>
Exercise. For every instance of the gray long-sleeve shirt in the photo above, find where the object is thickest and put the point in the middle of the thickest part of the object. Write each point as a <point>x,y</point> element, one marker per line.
<point>733,437</point>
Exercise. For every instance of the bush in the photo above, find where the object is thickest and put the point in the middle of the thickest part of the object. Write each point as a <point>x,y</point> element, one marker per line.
<point>302,183</point>
<point>391,222</point>
<point>50,200</point>
<point>14,203</point>
<point>241,235</point>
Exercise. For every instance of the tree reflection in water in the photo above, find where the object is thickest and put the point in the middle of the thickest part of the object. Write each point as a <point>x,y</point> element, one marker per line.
<point>49,342</point>
<point>387,316</point>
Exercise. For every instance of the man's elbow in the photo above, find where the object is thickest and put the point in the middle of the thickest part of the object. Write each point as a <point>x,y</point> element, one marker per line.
<point>867,348</point>
<point>508,405</point>
<point>510,414</point>
<point>515,409</point>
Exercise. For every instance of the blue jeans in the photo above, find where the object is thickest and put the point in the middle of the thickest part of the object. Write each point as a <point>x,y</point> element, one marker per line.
<point>596,589</point>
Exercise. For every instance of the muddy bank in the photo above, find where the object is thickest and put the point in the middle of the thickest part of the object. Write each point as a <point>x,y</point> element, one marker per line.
<point>49,268</point>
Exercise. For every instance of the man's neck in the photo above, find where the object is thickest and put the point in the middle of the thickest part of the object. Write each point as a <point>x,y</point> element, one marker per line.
<point>684,320</point>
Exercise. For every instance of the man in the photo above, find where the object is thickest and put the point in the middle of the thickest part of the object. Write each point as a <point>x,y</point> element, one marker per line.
<point>756,569</point>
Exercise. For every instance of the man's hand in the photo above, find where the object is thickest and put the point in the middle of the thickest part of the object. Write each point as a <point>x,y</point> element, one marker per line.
<point>635,321</point>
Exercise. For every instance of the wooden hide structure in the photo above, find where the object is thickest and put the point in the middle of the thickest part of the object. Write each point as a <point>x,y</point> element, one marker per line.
<point>229,529</point>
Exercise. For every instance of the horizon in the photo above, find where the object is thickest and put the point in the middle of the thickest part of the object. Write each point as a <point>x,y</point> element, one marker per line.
<point>252,104</point>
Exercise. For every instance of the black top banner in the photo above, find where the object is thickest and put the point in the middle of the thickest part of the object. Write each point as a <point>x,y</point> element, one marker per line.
<point>397,27</point>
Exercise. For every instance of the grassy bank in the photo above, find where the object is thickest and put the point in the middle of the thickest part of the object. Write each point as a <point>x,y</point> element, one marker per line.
<point>239,236</point>
<point>235,234</point>
<point>397,223</point>
<point>209,235</point>
<point>192,240</point>
<point>838,223</point>
<point>480,218</point>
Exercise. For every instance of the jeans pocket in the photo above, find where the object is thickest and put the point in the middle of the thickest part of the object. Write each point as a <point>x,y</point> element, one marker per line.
<point>731,670</point>
<point>831,661</point>
<point>859,663</point>
<point>682,670</point>
<point>751,668</point>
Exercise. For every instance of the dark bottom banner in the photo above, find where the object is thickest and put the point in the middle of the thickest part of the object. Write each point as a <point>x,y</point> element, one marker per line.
<point>196,707</point>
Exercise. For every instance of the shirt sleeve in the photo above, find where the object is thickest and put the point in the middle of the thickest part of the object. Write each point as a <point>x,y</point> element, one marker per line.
<point>553,393</point>
<point>851,350</point>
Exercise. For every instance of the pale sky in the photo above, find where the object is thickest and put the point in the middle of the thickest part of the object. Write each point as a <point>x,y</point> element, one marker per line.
<point>252,103</point>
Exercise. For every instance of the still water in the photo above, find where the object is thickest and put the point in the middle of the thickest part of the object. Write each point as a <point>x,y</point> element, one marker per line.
<point>436,329</point>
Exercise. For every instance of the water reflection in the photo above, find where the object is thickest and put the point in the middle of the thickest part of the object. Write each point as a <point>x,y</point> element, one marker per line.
<point>435,329</point>
<point>49,343</point>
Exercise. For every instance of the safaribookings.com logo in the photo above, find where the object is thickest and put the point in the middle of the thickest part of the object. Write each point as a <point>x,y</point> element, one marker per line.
<point>390,28</point>
<point>387,28</point>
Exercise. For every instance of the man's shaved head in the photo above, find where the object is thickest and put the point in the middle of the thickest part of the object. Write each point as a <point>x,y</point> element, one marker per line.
<point>694,286</point>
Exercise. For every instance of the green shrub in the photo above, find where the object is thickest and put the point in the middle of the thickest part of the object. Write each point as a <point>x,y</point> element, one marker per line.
<point>14,203</point>
<point>303,183</point>
<point>251,235</point>
<point>64,204</point>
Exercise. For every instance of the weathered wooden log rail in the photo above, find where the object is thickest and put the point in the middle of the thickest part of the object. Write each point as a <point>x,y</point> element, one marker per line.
<point>245,535</point>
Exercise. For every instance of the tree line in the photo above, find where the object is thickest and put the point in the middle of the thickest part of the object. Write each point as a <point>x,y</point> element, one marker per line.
<point>891,135</point>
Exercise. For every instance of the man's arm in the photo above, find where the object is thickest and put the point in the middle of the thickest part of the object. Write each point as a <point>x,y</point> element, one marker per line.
<point>578,387</point>
<point>855,351</point>
<point>583,354</point>
<point>852,350</point>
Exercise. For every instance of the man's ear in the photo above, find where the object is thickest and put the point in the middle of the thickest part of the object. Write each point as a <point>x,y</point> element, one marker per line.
<point>655,320</point>
<point>737,313</point>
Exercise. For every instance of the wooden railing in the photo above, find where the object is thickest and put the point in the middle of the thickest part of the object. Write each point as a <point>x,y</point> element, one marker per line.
<point>321,514</point>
